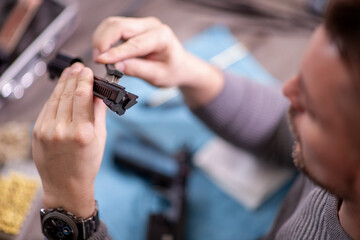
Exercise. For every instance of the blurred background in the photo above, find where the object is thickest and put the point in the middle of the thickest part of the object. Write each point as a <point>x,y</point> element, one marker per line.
<point>259,39</point>
<point>275,32</point>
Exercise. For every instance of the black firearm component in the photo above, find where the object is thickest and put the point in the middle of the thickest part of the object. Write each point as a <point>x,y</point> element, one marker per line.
<point>113,94</point>
<point>167,174</point>
<point>170,224</point>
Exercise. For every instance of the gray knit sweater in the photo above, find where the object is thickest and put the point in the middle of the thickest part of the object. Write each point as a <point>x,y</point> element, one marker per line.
<point>253,117</point>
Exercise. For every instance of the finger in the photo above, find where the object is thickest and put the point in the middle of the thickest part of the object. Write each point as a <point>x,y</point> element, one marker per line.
<point>65,109</point>
<point>112,29</point>
<point>151,71</point>
<point>48,111</point>
<point>99,112</point>
<point>154,40</point>
<point>52,103</point>
<point>83,100</point>
<point>40,119</point>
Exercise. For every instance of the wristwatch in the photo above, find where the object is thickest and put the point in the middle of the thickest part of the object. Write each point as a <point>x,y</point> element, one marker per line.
<point>59,224</point>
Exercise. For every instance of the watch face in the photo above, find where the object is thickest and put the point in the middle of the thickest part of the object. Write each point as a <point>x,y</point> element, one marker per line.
<point>55,228</point>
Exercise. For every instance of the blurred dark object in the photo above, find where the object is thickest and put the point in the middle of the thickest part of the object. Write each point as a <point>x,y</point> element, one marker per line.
<point>318,6</point>
<point>16,24</point>
<point>52,24</point>
<point>58,64</point>
<point>113,94</point>
<point>284,15</point>
<point>167,174</point>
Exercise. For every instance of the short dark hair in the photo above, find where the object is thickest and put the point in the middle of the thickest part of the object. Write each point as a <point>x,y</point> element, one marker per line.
<point>342,23</point>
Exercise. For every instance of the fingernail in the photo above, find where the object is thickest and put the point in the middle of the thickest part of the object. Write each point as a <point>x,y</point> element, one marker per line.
<point>96,53</point>
<point>76,67</point>
<point>120,66</point>
<point>104,56</point>
<point>84,72</point>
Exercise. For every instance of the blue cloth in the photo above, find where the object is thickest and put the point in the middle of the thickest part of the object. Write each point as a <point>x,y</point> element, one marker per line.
<point>125,200</point>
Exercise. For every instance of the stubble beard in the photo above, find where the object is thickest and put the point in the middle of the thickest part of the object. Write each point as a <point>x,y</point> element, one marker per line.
<point>298,157</point>
<point>297,154</point>
<point>299,160</point>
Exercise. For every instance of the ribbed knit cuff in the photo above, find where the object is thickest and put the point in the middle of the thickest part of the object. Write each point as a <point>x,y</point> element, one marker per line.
<point>101,233</point>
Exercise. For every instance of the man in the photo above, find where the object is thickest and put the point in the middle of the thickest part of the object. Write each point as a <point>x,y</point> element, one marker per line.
<point>324,114</point>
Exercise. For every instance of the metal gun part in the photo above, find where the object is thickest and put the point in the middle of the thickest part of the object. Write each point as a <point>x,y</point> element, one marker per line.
<point>114,95</point>
<point>114,74</point>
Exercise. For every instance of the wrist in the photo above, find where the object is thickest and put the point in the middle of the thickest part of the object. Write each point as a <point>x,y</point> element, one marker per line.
<point>202,83</point>
<point>79,201</point>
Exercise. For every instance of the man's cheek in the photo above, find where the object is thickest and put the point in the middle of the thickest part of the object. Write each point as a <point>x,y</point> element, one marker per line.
<point>316,157</point>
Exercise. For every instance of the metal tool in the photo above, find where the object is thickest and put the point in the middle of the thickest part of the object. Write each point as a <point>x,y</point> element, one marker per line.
<point>114,74</point>
<point>113,94</point>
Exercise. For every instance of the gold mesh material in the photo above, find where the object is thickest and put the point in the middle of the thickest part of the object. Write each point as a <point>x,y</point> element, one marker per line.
<point>16,194</point>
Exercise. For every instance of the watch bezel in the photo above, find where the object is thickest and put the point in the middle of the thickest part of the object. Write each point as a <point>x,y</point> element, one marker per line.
<point>57,215</point>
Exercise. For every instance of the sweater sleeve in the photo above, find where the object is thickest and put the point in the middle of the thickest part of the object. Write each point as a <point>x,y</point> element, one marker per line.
<point>251,116</point>
<point>101,233</point>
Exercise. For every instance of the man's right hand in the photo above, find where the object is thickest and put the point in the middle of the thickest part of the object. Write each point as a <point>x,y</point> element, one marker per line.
<point>151,52</point>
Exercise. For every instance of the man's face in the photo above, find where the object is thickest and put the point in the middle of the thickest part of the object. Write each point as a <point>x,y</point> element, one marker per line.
<point>316,94</point>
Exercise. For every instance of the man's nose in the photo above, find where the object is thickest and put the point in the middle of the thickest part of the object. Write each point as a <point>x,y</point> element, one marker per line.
<point>291,90</point>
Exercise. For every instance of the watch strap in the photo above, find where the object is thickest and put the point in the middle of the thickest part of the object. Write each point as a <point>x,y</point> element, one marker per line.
<point>87,227</point>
